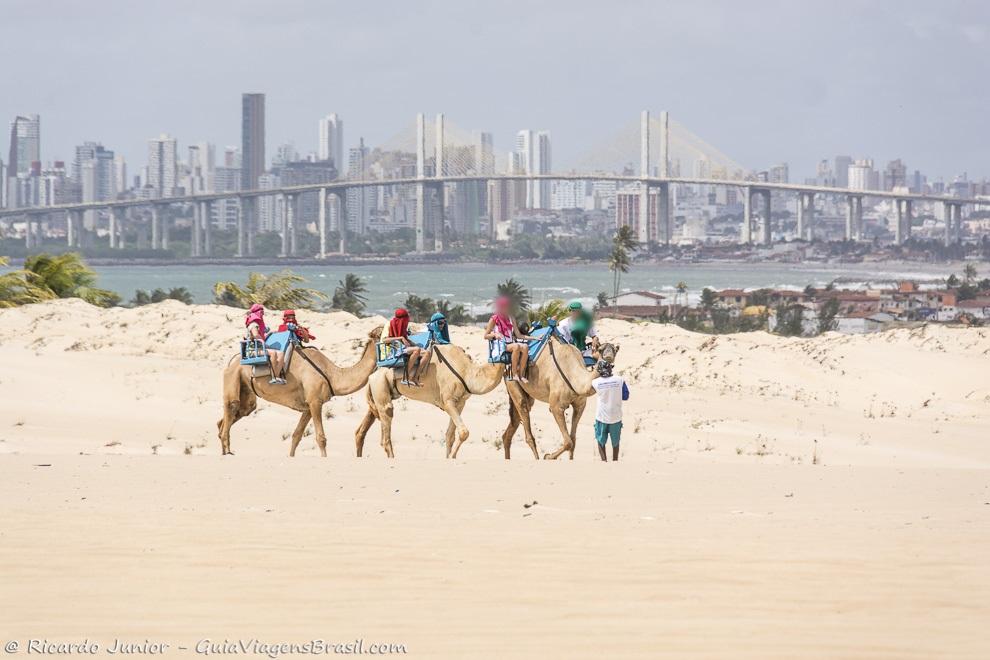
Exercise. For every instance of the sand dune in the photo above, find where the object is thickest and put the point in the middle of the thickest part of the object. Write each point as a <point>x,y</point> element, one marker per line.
<point>778,497</point>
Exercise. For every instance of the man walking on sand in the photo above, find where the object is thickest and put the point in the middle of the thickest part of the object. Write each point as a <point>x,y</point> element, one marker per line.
<point>612,391</point>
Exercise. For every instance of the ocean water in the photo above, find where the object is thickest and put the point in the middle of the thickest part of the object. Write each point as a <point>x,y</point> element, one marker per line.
<point>474,284</point>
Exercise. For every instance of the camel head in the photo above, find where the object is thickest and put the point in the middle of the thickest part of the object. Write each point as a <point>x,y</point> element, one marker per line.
<point>607,352</point>
<point>375,334</point>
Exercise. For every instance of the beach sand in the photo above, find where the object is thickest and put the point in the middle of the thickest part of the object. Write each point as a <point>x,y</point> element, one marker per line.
<point>823,497</point>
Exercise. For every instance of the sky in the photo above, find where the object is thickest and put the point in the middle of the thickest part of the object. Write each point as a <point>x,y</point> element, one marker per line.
<point>764,81</point>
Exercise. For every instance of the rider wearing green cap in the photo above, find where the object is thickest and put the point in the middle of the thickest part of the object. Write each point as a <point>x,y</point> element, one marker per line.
<point>578,328</point>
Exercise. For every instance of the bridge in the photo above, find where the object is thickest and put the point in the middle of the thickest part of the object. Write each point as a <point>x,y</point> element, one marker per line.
<point>449,162</point>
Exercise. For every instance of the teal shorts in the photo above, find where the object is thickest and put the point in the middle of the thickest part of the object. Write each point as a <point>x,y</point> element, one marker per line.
<point>603,431</point>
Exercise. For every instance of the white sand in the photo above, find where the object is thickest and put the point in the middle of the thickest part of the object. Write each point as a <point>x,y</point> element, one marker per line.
<point>777,498</point>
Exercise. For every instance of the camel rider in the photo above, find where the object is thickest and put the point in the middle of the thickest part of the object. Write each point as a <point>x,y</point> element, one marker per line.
<point>502,327</point>
<point>290,324</point>
<point>254,323</point>
<point>439,330</point>
<point>578,328</point>
<point>398,329</point>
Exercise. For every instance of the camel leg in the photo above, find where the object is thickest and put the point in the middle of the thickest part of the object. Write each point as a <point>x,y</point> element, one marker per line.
<point>577,409</point>
<point>362,429</point>
<point>522,403</point>
<point>449,436</point>
<point>454,410</point>
<point>561,419</point>
<point>316,412</point>
<point>385,419</point>
<point>298,433</point>
<point>510,430</point>
<point>238,402</point>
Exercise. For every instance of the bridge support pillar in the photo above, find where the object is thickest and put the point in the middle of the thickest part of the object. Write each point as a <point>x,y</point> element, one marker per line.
<point>166,226</point>
<point>420,187</point>
<point>342,219</point>
<point>29,231</point>
<point>194,234</point>
<point>117,220</point>
<point>74,228</point>
<point>292,218</point>
<point>322,222</point>
<point>281,203</point>
<point>205,213</point>
<point>766,234</point>
<point>440,224</point>
<point>665,225</point>
<point>241,247</point>
<point>854,217</point>
<point>156,226</point>
<point>643,234</point>
<point>805,216</point>
<point>953,222</point>
<point>746,232</point>
<point>70,230</point>
<point>249,211</point>
<point>902,230</point>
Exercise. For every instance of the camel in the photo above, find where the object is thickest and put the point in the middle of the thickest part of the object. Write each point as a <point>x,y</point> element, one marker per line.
<point>449,381</point>
<point>312,380</point>
<point>559,378</point>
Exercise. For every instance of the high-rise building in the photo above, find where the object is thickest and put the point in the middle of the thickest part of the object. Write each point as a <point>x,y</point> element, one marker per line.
<point>119,173</point>
<point>331,145</point>
<point>841,170</point>
<point>53,185</point>
<point>252,139</point>
<point>94,178</point>
<point>895,175</point>
<point>861,175</point>
<point>484,153</point>
<point>163,165</point>
<point>25,144</point>
<point>3,185</point>
<point>360,201</point>
<point>202,167</point>
<point>284,154</point>
<point>533,150</point>
<point>226,179</point>
<point>779,173</point>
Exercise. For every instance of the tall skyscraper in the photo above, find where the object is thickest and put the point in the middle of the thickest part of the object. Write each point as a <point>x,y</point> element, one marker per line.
<point>841,170</point>
<point>93,174</point>
<point>252,139</point>
<point>484,153</point>
<point>360,201</point>
<point>861,175</point>
<point>331,145</point>
<point>163,165</point>
<point>25,144</point>
<point>534,155</point>
<point>202,167</point>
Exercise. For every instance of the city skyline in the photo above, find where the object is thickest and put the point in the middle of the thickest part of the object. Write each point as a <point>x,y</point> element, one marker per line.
<point>909,108</point>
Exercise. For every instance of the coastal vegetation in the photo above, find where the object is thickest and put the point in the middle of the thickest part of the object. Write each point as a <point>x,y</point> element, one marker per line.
<point>276,291</point>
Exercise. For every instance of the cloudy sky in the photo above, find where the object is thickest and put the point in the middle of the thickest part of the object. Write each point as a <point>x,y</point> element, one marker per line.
<point>764,81</point>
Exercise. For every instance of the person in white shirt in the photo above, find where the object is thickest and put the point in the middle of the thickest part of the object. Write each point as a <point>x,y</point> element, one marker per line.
<point>612,391</point>
<point>578,328</point>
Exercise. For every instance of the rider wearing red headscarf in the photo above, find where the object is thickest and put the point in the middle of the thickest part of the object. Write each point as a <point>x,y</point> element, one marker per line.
<point>289,323</point>
<point>416,357</point>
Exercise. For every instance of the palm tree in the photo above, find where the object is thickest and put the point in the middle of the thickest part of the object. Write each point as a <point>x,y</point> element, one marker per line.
<point>420,309</point>
<point>551,309</point>
<point>349,295</point>
<point>682,294</point>
<point>969,273</point>
<point>455,314</point>
<point>516,293</point>
<point>16,288</point>
<point>618,260</point>
<point>276,291</point>
<point>67,276</point>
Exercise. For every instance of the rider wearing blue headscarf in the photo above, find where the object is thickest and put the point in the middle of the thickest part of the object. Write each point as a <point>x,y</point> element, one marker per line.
<point>439,331</point>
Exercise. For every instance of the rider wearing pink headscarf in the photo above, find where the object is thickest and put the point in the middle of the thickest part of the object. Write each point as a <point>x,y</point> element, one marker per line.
<point>502,327</point>
<point>254,322</point>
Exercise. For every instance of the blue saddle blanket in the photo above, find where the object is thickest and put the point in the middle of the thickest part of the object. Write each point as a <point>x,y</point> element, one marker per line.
<point>391,352</point>
<point>496,347</point>
<point>278,341</point>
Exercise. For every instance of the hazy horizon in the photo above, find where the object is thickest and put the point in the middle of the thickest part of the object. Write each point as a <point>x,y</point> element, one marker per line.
<point>778,82</point>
